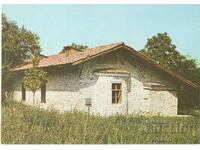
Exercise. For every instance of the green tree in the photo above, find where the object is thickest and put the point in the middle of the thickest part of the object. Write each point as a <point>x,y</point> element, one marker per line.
<point>34,77</point>
<point>161,49</point>
<point>17,45</point>
<point>76,46</point>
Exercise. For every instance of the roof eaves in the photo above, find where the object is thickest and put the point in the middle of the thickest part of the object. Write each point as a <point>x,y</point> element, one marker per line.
<point>160,67</point>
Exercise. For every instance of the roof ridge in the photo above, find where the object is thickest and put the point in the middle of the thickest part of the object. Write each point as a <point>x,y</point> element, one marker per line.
<point>89,48</point>
<point>117,43</point>
<point>90,53</point>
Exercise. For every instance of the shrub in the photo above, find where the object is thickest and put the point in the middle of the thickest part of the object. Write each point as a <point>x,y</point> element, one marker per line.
<point>195,112</point>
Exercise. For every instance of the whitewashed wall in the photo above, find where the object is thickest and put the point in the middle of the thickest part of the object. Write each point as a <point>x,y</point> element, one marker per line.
<point>68,88</point>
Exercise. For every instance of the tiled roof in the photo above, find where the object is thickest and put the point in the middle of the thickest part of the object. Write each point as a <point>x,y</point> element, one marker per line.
<point>89,53</point>
<point>61,59</point>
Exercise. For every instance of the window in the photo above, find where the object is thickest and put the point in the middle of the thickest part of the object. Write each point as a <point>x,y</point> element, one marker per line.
<point>43,92</point>
<point>116,93</point>
<point>23,92</point>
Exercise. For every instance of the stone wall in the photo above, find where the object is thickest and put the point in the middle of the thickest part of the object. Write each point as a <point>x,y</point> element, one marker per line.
<point>144,90</point>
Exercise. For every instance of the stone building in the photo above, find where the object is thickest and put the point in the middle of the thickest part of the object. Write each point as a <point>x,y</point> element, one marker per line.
<point>109,79</point>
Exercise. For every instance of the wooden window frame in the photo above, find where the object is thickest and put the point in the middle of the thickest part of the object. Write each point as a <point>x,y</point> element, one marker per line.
<point>43,92</point>
<point>23,92</point>
<point>116,93</point>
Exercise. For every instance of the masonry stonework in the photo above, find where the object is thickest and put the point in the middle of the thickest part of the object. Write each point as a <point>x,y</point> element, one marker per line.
<point>144,91</point>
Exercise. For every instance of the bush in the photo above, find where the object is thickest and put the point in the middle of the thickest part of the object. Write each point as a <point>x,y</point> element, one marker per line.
<point>195,112</point>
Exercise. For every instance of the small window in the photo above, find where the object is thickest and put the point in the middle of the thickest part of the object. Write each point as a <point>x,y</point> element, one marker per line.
<point>23,92</point>
<point>116,93</point>
<point>43,92</point>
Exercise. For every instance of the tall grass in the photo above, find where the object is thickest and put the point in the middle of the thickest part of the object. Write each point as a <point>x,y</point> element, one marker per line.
<point>24,124</point>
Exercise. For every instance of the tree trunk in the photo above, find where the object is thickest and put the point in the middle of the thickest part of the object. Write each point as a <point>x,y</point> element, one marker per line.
<point>33,98</point>
<point>199,97</point>
<point>3,95</point>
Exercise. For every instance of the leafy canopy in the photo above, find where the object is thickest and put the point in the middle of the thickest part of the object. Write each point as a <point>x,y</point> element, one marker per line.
<point>34,77</point>
<point>161,49</point>
<point>18,44</point>
<point>76,46</point>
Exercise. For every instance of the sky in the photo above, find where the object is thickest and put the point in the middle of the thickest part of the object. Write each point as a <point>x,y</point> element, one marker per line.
<point>94,25</point>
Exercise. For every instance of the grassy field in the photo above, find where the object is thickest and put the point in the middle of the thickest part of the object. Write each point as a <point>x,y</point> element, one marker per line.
<point>22,124</point>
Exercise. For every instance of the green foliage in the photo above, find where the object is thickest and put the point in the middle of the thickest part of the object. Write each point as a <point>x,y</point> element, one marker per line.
<point>24,124</point>
<point>75,46</point>
<point>78,46</point>
<point>195,112</point>
<point>161,49</point>
<point>17,45</point>
<point>34,77</point>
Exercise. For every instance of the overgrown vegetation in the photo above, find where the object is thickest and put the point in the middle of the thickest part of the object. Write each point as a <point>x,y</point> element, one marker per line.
<point>18,44</point>
<point>25,124</point>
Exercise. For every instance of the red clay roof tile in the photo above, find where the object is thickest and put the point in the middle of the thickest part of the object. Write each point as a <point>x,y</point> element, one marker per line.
<point>61,59</point>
